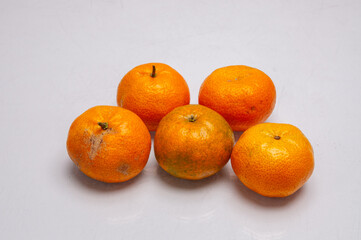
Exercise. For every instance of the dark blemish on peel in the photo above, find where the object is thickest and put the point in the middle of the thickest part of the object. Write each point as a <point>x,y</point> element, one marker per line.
<point>97,142</point>
<point>123,169</point>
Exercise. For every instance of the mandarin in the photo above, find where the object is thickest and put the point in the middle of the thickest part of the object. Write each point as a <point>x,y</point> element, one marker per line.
<point>109,144</point>
<point>193,142</point>
<point>243,95</point>
<point>151,91</point>
<point>273,159</point>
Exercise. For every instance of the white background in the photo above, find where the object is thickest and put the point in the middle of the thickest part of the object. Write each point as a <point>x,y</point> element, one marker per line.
<point>59,58</point>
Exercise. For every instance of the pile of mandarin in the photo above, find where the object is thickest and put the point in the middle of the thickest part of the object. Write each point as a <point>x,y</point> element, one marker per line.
<point>193,141</point>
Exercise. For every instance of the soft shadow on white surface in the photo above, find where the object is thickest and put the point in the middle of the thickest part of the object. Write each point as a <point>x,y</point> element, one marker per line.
<point>188,184</point>
<point>258,199</point>
<point>85,181</point>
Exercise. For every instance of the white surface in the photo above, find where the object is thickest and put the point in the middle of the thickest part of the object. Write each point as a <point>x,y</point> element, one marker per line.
<point>59,58</point>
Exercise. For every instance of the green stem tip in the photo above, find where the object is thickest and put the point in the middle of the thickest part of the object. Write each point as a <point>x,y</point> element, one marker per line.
<point>103,125</point>
<point>153,72</point>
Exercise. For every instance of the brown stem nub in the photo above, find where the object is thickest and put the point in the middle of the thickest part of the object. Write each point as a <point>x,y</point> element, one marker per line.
<point>103,125</point>
<point>153,72</point>
<point>277,137</point>
<point>192,118</point>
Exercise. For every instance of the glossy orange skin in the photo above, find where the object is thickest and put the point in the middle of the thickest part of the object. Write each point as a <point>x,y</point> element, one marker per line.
<point>152,98</point>
<point>116,154</point>
<point>269,166</point>
<point>193,150</point>
<point>243,95</point>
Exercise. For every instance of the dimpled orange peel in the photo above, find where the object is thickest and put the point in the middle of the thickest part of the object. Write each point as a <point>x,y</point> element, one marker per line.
<point>110,144</point>
<point>243,95</point>
<point>273,159</point>
<point>151,91</point>
<point>193,142</point>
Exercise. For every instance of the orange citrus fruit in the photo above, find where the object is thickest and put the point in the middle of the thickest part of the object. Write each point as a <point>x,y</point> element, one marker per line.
<point>151,91</point>
<point>243,95</point>
<point>273,159</point>
<point>193,142</point>
<point>109,144</point>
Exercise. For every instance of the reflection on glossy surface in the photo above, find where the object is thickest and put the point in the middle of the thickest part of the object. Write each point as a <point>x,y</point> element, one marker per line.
<point>253,234</point>
<point>198,217</point>
<point>190,192</point>
<point>126,218</point>
<point>131,210</point>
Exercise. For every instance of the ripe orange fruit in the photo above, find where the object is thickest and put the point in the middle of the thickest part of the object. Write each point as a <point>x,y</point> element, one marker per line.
<point>193,142</point>
<point>151,91</point>
<point>109,144</point>
<point>243,95</point>
<point>273,159</point>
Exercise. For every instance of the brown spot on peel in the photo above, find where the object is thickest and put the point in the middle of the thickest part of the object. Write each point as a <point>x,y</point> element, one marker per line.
<point>123,169</point>
<point>96,141</point>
